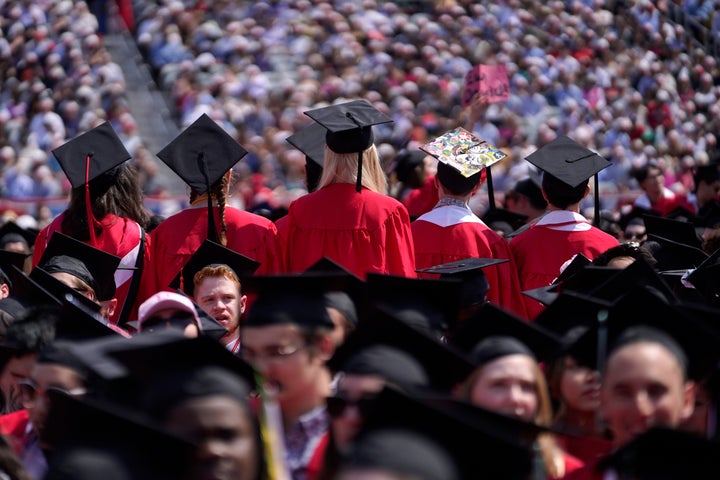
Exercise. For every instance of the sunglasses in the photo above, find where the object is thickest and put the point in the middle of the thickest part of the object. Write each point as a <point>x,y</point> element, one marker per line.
<point>336,406</point>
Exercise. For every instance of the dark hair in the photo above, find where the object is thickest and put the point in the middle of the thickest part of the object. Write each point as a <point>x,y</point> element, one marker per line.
<point>114,192</point>
<point>641,173</point>
<point>633,250</point>
<point>560,194</point>
<point>217,191</point>
<point>643,334</point>
<point>454,182</point>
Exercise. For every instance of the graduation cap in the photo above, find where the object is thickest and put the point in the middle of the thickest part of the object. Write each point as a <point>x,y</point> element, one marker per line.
<point>469,271</point>
<point>673,230</point>
<point>349,128</point>
<point>212,253</point>
<point>579,276</point>
<point>672,255</point>
<point>110,432</point>
<point>11,232</point>
<point>292,299</point>
<point>706,278</point>
<point>430,304</point>
<point>392,364</point>
<point>201,155</point>
<point>638,273</point>
<point>570,313</point>
<point>7,259</point>
<point>467,154</point>
<point>504,219</point>
<point>444,366</point>
<point>349,300</point>
<point>59,290</point>
<point>93,266</point>
<point>475,439</point>
<point>531,188</point>
<point>87,157</point>
<point>643,307</point>
<point>310,140</point>
<point>405,162</point>
<point>485,336</point>
<point>665,454</point>
<point>571,163</point>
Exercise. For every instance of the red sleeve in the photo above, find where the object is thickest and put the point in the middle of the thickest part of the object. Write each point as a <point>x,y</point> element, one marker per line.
<point>317,461</point>
<point>399,248</point>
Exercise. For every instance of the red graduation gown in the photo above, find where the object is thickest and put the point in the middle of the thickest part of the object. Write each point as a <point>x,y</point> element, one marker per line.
<point>542,249</point>
<point>421,200</point>
<point>451,233</point>
<point>120,237</point>
<point>362,231</point>
<point>179,236</point>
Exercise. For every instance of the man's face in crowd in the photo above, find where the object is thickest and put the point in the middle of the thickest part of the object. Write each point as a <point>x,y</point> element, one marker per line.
<point>644,387</point>
<point>220,297</point>
<point>17,369</point>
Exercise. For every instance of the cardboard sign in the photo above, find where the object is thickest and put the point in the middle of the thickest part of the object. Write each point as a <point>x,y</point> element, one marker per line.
<point>487,80</point>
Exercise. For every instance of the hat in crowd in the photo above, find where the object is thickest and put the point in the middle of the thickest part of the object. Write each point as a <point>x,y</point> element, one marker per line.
<point>568,161</point>
<point>444,366</point>
<point>349,128</point>
<point>91,154</point>
<point>292,299</point>
<point>469,271</point>
<point>706,278</point>
<point>405,162</point>
<point>310,140</point>
<point>467,153</point>
<point>349,299</point>
<point>672,255</point>
<point>60,290</point>
<point>201,155</point>
<point>392,364</point>
<point>672,230</point>
<point>528,188</point>
<point>429,304</point>
<point>7,260</point>
<point>93,266</point>
<point>504,220</point>
<point>11,232</point>
<point>494,332</point>
<point>177,302</point>
<point>212,254</point>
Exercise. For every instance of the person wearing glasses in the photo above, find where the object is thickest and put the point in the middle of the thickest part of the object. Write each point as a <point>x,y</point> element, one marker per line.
<point>287,339</point>
<point>169,310</point>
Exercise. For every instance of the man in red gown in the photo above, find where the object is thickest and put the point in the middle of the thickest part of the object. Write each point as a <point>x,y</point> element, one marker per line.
<point>542,249</point>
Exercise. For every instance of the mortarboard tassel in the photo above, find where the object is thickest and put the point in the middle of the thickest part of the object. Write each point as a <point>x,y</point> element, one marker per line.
<point>88,205</point>
<point>212,231</point>
<point>490,190</point>
<point>602,345</point>
<point>271,433</point>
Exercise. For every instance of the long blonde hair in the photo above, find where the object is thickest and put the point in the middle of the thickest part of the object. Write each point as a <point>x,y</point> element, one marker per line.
<point>342,168</point>
<point>552,454</point>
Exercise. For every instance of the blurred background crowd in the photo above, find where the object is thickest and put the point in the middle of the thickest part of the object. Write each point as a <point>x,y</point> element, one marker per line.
<point>635,80</point>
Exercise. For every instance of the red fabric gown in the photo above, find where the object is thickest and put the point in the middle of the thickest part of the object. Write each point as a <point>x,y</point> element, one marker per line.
<point>119,236</point>
<point>451,233</point>
<point>542,249</point>
<point>421,200</point>
<point>588,449</point>
<point>179,236</point>
<point>362,231</point>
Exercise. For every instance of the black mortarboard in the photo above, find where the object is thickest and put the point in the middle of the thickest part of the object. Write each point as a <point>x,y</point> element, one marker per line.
<point>433,303</point>
<point>28,292</point>
<point>531,188</point>
<point>349,299</point>
<point>66,254</point>
<point>12,232</point>
<point>570,311</point>
<point>349,127</point>
<point>91,154</point>
<point>568,161</point>
<point>212,253</point>
<point>58,289</point>
<point>444,366</point>
<point>137,442</point>
<point>469,271</point>
<point>496,218</point>
<point>77,322</point>
<point>665,454</point>
<point>706,278</point>
<point>292,299</point>
<point>392,364</point>
<point>477,440</point>
<point>674,230</point>
<point>578,277</point>
<point>405,162</point>
<point>672,255</point>
<point>492,321</point>
<point>638,273</point>
<point>201,155</point>
<point>643,307</point>
<point>7,259</point>
<point>310,140</point>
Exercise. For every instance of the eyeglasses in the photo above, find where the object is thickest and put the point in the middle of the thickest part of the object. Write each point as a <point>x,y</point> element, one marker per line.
<point>30,392</point>
<point>273,353</point>
<point>336,406</point>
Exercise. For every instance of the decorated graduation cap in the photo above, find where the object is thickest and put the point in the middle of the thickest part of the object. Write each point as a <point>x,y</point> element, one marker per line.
<point>349,128</point>
<point>473,439</point>
<point>570,163</point>
<point>126,438</point>
<point>470,272</point>
<point>11,232</point>
<point>431,304</point>
<point>644,310</point>
<point>201,155</point>
<point>467,154</point>
<point>211,253</point>
<point>87,157</point>
<point>444,366</point>
<point>93,266</point>
<point>292,299</point>
<point>494,332</point>
<point>666,454</point>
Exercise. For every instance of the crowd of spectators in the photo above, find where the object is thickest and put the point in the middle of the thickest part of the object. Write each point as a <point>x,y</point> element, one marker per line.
<point>619,77</point>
